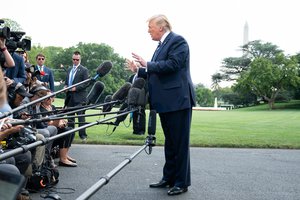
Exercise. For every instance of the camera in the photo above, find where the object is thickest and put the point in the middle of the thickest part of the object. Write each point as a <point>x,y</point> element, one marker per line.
<point>13,41</point>
<point>27,135</point>
<point>5,31</point>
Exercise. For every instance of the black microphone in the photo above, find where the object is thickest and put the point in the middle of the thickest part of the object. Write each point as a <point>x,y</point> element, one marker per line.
<point>122,93</point>
<point>139,83</point>
<point>152,122</point>
<point>133,96</point>
<point>103,69</point>
<point>121,118</point>
<point>95,93</point>
<point>107,107</point>
<point>151,139</point>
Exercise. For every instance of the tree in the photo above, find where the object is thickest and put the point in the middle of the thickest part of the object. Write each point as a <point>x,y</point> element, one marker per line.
<point>266,78</point>
<point>204,96</point>
<point>233,67</point>
<point>13,25</point>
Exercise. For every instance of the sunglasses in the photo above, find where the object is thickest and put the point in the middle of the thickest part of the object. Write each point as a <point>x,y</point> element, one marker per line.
<point>41,58</point>
<point>75,59</point>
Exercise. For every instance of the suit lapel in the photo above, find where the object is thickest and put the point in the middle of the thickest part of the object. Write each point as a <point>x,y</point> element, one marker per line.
<point>162,46</point>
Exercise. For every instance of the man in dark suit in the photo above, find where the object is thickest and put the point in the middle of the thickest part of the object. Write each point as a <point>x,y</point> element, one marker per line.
<point>45,75</point>
<point>171,94</point>
<point>17,73</point>
<point>76,96</point>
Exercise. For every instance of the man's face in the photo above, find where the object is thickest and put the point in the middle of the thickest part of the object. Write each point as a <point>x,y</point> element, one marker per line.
<point>155,31</point>
<point>17,101</point>
<point>40,60</point>
<point>76,59</point>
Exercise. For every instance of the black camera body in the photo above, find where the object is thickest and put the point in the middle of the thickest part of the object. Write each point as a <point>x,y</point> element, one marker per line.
<point>27,135</point>
<point>13,41</point>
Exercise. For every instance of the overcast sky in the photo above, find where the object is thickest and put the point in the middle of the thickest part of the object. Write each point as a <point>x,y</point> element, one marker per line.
<point>213,28</point>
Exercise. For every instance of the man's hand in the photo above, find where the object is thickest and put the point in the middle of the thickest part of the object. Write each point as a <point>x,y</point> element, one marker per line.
<point>139,60</point>
<point>131,65</point>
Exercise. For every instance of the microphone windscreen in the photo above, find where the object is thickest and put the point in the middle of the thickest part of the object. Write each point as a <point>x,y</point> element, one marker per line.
<point>107,107</point>
<point>122,118</point>
<point>139,83</point>
<point>95,92</point>
<point>104,68</point>
<point>152,122</point>
<point>133,96</point>
<point>142,98</point>
<point>122,93</point>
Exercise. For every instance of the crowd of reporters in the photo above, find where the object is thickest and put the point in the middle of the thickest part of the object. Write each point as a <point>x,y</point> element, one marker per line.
<point>19,85</point>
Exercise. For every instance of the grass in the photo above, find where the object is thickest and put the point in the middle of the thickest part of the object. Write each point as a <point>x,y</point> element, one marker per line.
<point>252,127</point>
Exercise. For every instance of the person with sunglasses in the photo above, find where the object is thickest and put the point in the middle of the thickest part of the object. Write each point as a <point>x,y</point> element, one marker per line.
<point>45,76</point>
<point>76,96</point>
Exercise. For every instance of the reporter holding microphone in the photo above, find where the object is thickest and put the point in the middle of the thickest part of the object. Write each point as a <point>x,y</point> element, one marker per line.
<point>171,94</point>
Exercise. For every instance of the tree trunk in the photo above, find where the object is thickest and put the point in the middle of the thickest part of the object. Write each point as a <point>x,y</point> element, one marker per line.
<point>271,103</point>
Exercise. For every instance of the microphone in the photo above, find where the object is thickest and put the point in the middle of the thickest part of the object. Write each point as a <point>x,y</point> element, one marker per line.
<point>95,93</point>
<point>103,69</point>
<point>107,107</point>
<point>152,122</point>
<point>122,93</point>
<point>139,83</point>
<point>151,139</point>
<point>133,96</point>
<point>121,118</point>
<point>137,94</point>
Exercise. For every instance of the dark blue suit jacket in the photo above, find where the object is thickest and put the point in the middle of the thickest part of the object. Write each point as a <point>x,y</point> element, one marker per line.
<point>47,78</point>
<point>79,96</point>
<point>17,73</point>
<point>169,81</point>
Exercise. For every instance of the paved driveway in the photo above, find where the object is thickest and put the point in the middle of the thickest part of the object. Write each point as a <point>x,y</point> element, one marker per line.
<point>217,174</point>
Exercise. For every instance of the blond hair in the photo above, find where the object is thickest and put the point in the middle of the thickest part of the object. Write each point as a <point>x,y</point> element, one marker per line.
<point>161,20</point>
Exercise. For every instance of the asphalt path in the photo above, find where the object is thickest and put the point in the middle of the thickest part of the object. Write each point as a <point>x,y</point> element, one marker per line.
<point>217,174</point>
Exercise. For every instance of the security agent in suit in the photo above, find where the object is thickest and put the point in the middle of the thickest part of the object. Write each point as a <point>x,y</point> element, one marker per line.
<point>45,76</point>
<point>77,95</point>
<point>172,95</point>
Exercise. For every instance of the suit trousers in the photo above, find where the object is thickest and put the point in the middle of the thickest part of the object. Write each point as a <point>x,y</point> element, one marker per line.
<point>176,127</point>
<point>70,103</point>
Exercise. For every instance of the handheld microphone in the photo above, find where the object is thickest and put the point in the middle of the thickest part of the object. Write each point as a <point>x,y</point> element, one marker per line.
<point>103,69</point>
<point>122,93</point>
<point>95,93</point>
<point>151,139</point>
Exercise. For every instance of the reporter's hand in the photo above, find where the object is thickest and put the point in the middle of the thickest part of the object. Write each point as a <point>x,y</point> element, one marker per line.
<point>2,43</point>
<point>25,115</point>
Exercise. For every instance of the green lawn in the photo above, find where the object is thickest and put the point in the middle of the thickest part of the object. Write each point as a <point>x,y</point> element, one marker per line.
<point>253,127</point>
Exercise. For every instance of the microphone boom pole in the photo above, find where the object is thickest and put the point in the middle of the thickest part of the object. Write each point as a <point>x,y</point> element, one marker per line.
<point>25,148</point>
<point>102,70</point>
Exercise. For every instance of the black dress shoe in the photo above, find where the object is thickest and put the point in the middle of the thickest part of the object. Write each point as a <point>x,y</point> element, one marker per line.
<point>160,184</point>
<point>67,165</point>
<point>176,190</point>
